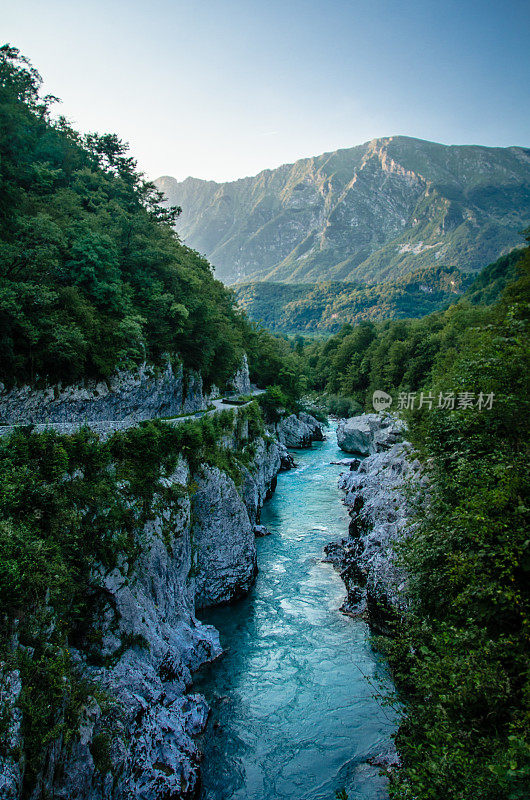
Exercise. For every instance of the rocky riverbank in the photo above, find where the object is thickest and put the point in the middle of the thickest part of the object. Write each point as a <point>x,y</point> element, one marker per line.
<point>137,729</point>
<point>377,496</point>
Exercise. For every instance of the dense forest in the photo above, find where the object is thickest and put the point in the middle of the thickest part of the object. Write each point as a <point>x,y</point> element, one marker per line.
<point>325,307</point>
<point>460,657</point>
<point>398,355</point>
<point>94,278</point>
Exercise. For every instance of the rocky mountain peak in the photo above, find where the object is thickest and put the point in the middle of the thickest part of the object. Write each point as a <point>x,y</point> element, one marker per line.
<point>371,212</point>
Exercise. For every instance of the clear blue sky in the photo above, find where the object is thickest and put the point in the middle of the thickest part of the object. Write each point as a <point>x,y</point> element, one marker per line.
<point>224,88</point>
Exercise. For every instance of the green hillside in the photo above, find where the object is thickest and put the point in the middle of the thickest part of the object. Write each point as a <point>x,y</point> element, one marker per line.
<point>326,307</point>
<point>94,278</point>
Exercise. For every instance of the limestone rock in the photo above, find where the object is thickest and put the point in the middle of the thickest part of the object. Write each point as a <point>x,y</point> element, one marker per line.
<point>259,482</point>
<point>351,463</point>
<point>240,383</point>
<point>224,540</point>
<point>141,394</point>
<point>369,433</point>
<point>195,552</point>
<point>299,431</point>
<point>196,549</point>
<point>380,516</point>
<point>286,459</point>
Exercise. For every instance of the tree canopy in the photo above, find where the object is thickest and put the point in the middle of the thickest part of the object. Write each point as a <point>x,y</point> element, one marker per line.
<point>94,277</point>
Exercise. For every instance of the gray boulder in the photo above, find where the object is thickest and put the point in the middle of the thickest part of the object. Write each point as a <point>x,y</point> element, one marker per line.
<point>369,433</point>
<point>299,431</point>
<point>260,531</point>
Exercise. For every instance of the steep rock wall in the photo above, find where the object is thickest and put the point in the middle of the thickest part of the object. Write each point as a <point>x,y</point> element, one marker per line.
<point>197,549</point>
<point>224,540</point>
<point>377,493</point>
<point>141,394</point>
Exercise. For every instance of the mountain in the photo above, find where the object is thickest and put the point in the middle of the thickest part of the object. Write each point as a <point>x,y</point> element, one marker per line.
<point>369,213</point>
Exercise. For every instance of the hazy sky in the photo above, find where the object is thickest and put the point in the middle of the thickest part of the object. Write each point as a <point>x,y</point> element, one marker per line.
<point>224,88</point>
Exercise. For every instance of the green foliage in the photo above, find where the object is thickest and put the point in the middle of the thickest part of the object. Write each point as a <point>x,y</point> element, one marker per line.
<point>342,407</point>
<point>276,361</point>
<point>326,307</point>
<point>274,403</point>
<point>491,281</point>
<point>51,699</point>
<point>460,657</point>
<point>93,276</point>
<point>100,749</point>
<point>400,355</point>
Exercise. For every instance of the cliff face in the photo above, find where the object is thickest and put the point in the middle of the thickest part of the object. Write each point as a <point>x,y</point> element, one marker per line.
<point>127,396</point>
<point>137,728</point>
<point>196,548</point>
<point>374,211</point>
<point>136,732</point>
<point>377,494</point>
<point>223,536</point>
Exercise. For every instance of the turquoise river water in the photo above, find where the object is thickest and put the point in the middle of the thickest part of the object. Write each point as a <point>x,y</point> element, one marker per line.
<point>294,713</point>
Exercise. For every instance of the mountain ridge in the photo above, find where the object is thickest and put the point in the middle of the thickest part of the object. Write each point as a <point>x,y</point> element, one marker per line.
<point>341,150</point>
<point>371,212</point>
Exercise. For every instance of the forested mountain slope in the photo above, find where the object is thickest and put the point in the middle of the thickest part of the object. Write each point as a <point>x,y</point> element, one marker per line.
<point>374,211</point>
<point>93,276</point>
<point>325,307</point>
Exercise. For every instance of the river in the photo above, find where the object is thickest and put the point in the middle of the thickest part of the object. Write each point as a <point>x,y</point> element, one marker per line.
<point>294,715</point>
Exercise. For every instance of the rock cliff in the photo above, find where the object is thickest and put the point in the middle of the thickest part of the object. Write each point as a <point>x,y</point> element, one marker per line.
<point>377,495</point>
<point>150,643</point>
<point>240,383</point>
<point>143,394</point>
<point>136,732</point>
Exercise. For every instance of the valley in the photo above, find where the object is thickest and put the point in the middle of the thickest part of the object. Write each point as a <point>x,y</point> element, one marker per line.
<point>222,575</point>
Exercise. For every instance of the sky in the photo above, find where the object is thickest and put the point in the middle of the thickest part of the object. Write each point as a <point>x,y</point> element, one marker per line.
<point>220,89</point>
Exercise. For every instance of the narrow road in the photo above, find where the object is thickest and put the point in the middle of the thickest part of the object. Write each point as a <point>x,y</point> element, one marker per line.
<point>108,426</point>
